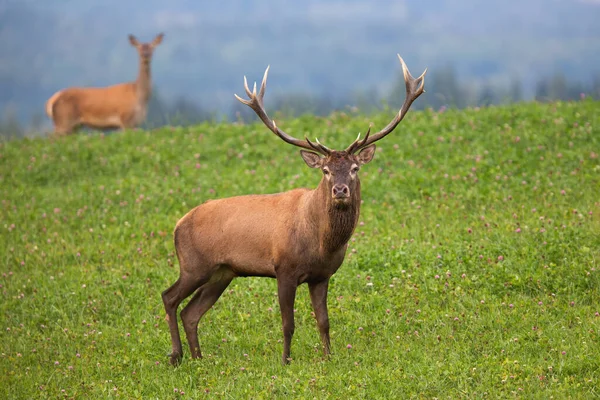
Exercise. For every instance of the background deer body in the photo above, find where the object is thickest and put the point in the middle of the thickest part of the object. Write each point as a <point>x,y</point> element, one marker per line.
<point>299,236</point>
<point>118,106</point>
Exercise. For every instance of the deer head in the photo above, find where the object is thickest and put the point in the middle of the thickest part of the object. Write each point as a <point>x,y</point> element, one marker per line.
<point>145,50</point>
<point>340,168</point>
<point>340,173</point>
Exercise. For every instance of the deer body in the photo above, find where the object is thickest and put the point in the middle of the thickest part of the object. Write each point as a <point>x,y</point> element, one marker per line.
<point>251,234</point>
<point>115,106</point>
<point>118,106</point>
<point>299,236</point>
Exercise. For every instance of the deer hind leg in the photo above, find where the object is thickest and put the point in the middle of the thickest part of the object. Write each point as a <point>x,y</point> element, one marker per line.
<point>318,298</point>
<point>172,297</point>
<point>203,300</point>
<point>62,127</point>
<point>65,117</point>
<point>60,131</point>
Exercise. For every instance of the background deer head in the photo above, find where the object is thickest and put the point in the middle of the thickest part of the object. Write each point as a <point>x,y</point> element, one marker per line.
<point>145,50</point>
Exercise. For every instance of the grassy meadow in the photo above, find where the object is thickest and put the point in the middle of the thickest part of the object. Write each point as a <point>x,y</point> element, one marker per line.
<point>474,271</point>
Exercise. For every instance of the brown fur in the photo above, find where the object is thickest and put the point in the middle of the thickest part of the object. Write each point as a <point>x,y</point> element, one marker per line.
<point>118,106</point>
<point>296,237</point>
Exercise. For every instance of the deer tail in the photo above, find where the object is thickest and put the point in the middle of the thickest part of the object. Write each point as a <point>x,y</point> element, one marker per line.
<point>50,103</point>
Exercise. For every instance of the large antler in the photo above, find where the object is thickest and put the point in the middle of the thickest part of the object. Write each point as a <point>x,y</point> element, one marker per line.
<point>256,103</point>
<point>414,88</point>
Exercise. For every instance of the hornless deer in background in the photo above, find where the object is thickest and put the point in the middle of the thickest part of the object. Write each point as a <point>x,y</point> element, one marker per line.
<point>118,106</point>
<point>296,236</point>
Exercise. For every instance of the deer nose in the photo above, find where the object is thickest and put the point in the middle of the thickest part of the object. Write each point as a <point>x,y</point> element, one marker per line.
<point>340,191</point>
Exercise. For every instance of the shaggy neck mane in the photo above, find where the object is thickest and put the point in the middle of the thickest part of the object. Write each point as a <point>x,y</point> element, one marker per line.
<point>337,223</point>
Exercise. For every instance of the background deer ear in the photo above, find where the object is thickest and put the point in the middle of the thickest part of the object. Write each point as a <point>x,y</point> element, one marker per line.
<point>158,39</point>
<point>311,159</point>
<point>366,154</point>
<point>134,42</point>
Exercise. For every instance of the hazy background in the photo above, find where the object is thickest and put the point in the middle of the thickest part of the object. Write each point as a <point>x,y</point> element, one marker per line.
<point>324,55</point>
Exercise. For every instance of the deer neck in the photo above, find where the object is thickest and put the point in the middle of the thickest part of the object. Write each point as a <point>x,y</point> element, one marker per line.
<point>336,224</point>
<point>144,83</point>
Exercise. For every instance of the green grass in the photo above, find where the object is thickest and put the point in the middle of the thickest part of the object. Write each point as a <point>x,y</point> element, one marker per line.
<point>474,271</point>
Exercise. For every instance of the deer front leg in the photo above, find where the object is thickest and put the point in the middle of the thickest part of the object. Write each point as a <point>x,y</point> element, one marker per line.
<point>286,291</point>
<point>318,298</point>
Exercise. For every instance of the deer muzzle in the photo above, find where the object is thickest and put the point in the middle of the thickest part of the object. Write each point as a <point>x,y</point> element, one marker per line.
<point>340,191</point>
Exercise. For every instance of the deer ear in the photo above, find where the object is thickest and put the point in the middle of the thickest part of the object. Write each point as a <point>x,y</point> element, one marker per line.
<point>158,39</point>
<point>311,159</point>
<point>134,42</point>
<point>366,155</point>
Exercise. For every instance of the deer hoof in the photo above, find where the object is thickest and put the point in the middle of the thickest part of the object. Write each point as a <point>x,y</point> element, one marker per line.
<point>196,354</point>
<point>286,360</point>
<point>175,359</point>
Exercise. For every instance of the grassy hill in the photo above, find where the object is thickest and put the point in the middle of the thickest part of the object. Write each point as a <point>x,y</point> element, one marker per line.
<point>474,271</point>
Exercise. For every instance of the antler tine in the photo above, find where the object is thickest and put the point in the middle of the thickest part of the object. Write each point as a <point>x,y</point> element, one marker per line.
<point>358,143</point>
<point>246,102</point>
<point>414,88</point>
<point>321,148</point>
<point>246,88</point>
<point>255,102</point>
<point>263,85</point>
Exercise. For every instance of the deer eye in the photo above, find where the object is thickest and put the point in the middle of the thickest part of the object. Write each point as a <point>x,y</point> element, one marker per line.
<point>355,169</point>
<point>325,171</point>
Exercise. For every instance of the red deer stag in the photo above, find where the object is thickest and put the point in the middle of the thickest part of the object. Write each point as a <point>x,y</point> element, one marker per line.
<point>296,237</point>
<point>118,106</point>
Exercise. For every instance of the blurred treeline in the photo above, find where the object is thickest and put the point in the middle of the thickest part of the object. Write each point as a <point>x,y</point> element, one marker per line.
<point>444,90</point>
<point>324,54</point>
